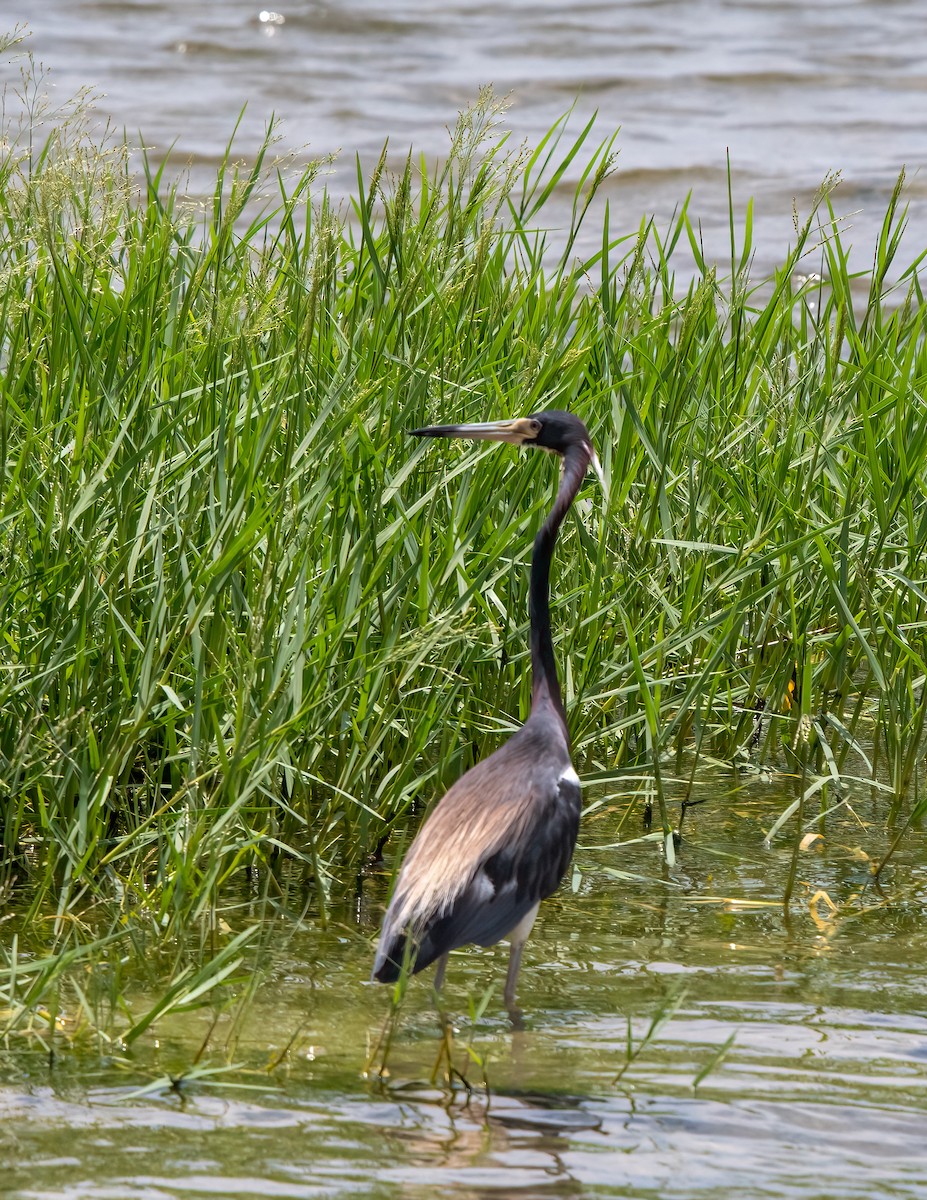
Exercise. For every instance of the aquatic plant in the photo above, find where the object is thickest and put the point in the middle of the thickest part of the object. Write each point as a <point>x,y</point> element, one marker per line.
<point>247,625</point>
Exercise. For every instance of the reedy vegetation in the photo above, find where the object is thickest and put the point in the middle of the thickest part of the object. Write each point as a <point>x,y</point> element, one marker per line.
<point>245,619</point>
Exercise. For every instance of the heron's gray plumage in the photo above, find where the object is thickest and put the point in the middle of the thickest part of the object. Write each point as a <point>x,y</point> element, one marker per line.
<point>472,874</point>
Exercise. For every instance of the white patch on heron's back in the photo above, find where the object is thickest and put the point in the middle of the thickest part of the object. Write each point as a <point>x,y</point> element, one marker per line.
<point>570,776</point>
<point>483,886</point>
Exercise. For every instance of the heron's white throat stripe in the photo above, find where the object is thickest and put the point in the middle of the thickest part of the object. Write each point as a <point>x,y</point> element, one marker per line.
<point>570,775</point>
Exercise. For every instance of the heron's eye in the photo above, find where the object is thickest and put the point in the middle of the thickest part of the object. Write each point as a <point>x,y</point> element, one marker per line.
<point>535,427</point>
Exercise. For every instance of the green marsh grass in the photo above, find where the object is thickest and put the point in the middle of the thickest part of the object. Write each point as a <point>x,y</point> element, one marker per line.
<point>248,626</point>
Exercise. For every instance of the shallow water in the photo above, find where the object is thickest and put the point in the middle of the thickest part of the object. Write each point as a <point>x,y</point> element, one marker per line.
<point>822,1092</point>
<point>794,90</point>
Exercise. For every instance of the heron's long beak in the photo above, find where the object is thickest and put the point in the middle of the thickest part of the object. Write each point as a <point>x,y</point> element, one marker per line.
<point>516,432</point>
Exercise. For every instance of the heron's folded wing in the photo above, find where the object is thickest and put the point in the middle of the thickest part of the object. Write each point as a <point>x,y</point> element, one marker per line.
<point>508,884</point>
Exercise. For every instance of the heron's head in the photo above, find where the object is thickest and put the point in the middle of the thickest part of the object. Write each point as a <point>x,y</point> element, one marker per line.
<point>554,430</point>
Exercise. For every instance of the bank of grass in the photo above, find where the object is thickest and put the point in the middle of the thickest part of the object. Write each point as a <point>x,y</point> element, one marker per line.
<point>247,622</point>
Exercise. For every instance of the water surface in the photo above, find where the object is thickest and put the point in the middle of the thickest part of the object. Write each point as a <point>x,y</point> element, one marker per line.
<point>794,90</point>
<point>822,1093</point>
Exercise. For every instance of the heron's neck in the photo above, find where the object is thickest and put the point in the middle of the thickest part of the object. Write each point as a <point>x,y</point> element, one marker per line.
<point>545,688</point>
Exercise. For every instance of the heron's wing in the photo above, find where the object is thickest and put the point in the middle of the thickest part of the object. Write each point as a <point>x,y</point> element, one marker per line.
<point>495,846</point>
<point>518,876</point>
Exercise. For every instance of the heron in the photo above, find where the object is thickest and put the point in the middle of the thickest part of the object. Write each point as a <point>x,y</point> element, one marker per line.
<point>500,840</point>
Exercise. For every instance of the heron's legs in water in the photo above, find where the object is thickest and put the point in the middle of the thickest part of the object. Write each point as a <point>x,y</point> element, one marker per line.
<point>511,979</point>
<point>517,937</point>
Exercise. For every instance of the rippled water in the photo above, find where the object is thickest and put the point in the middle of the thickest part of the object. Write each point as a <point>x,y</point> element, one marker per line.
<point>822,1092</point>
<point>794,89</point>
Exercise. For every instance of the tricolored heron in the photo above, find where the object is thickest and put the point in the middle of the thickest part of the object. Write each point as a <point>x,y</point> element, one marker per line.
<point>502,838</point>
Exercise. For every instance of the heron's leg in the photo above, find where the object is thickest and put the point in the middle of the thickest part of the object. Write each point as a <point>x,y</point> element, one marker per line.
<point>439,974</point>
<point>511,979</point>
<point>517,937</point>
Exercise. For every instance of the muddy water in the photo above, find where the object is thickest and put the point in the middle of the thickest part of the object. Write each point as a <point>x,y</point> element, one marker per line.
<point>809,1034</point>
<point>793,89</point>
